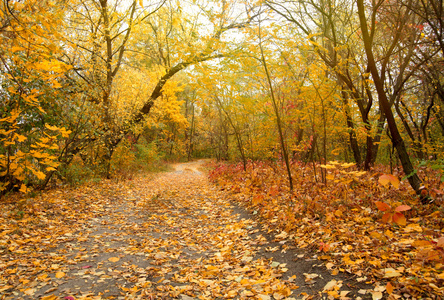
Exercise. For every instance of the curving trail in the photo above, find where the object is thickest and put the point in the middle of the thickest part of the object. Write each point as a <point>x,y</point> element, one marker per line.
<point>174,236</point>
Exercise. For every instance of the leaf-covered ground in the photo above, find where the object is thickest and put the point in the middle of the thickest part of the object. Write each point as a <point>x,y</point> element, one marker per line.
<point>363,223</point>
<point>172,236</point>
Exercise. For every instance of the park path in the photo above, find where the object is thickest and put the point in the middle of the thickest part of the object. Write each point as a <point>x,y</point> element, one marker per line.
<point>170,236</point>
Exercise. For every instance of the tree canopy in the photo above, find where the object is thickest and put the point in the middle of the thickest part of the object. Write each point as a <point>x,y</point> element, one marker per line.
<point>309,81</point>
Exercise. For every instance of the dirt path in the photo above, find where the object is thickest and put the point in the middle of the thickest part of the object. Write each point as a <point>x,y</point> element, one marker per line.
<point>172,237</point>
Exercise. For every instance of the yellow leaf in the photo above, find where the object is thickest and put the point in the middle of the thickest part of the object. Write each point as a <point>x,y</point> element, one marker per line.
<point>20,138</point>
<point>330,285</point>
<point>50,297</point>
<point>141,3</point>
<point>17,48</point>
<point>328,167</point>
<point>113,259</point>
<point>390,272</point>
<point>12,118</point>
<point>376,295</point>
<point>23,189</point>
<point>65,133</point>
<point>29,292</point>
<point>53,128</point>
<point>60,274</point>
<point>17,171</point>
<point>232,294</point>
<point>40,175</point>
<point>3,132</point>
<point>385,179</point>
<point>413,227</point>
<point>348,165</point>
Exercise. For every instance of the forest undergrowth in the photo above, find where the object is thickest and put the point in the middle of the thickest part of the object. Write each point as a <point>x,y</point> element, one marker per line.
<point>366,223</point>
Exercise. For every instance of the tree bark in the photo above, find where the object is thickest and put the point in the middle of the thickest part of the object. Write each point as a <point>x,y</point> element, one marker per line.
<point>276,110</point>
<point>351,130</point>
<point>384,104</point>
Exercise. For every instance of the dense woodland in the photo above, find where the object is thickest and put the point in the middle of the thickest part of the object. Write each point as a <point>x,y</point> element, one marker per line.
<point>326,118</point>
<point>99,87</point>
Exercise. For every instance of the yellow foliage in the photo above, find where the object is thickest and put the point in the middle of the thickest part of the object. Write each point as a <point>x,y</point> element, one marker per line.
<point>26,153</point>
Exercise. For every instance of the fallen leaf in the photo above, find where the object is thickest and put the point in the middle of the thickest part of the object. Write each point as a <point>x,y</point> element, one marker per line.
<point>390,272</point>
<point>50,297</point>
<point>382,206</point>
<point>399,219</point>
<point>403,208</point>
<point>414,227</point>
<point>330,285</point>
<point>113,259</point>
<point>376,295</point>
<point>388,178</point>
<point>389,288</point>
<point>29,292</point>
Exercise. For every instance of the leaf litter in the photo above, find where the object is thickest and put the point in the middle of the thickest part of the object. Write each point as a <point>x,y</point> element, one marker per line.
<point>364,223</point>
<point>173,236</point>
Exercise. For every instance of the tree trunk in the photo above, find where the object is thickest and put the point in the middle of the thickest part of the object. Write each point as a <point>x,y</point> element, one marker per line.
<point>278,118</point>
<point>190,145</point>
<point>384,104</point>
<point>351,130</point>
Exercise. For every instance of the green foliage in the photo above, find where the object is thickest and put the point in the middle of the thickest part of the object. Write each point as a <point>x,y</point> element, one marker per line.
<point>437,165</point>
<point>129,159</point>
<point>147,152</point>
<point>77,172</point>
<point>148,156</point>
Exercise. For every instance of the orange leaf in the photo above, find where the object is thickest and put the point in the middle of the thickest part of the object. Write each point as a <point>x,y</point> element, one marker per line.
<point>389,288</point>
<point>274,191</point>
<point>382,206</point>
<point>429,255</point>
<point>440,242</point>
<point>59,275</point>
<point>50,297</point>
<point>387,218</point>
<point>385,179</point>
<point>324,247</point>
<point>403,208</point>
<point>421,243</point>
<point>399,219</point>
<point>257,199</point>
<point>113,259</point>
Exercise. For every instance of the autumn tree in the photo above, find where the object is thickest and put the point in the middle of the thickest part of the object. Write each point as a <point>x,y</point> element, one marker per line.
<point>220,17</point>
<point>422,117</point>
<point>331,28</point>
<point>31,85</point>
<point>98,38</point>
<point>403,43</point>
<point>164,38</point>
